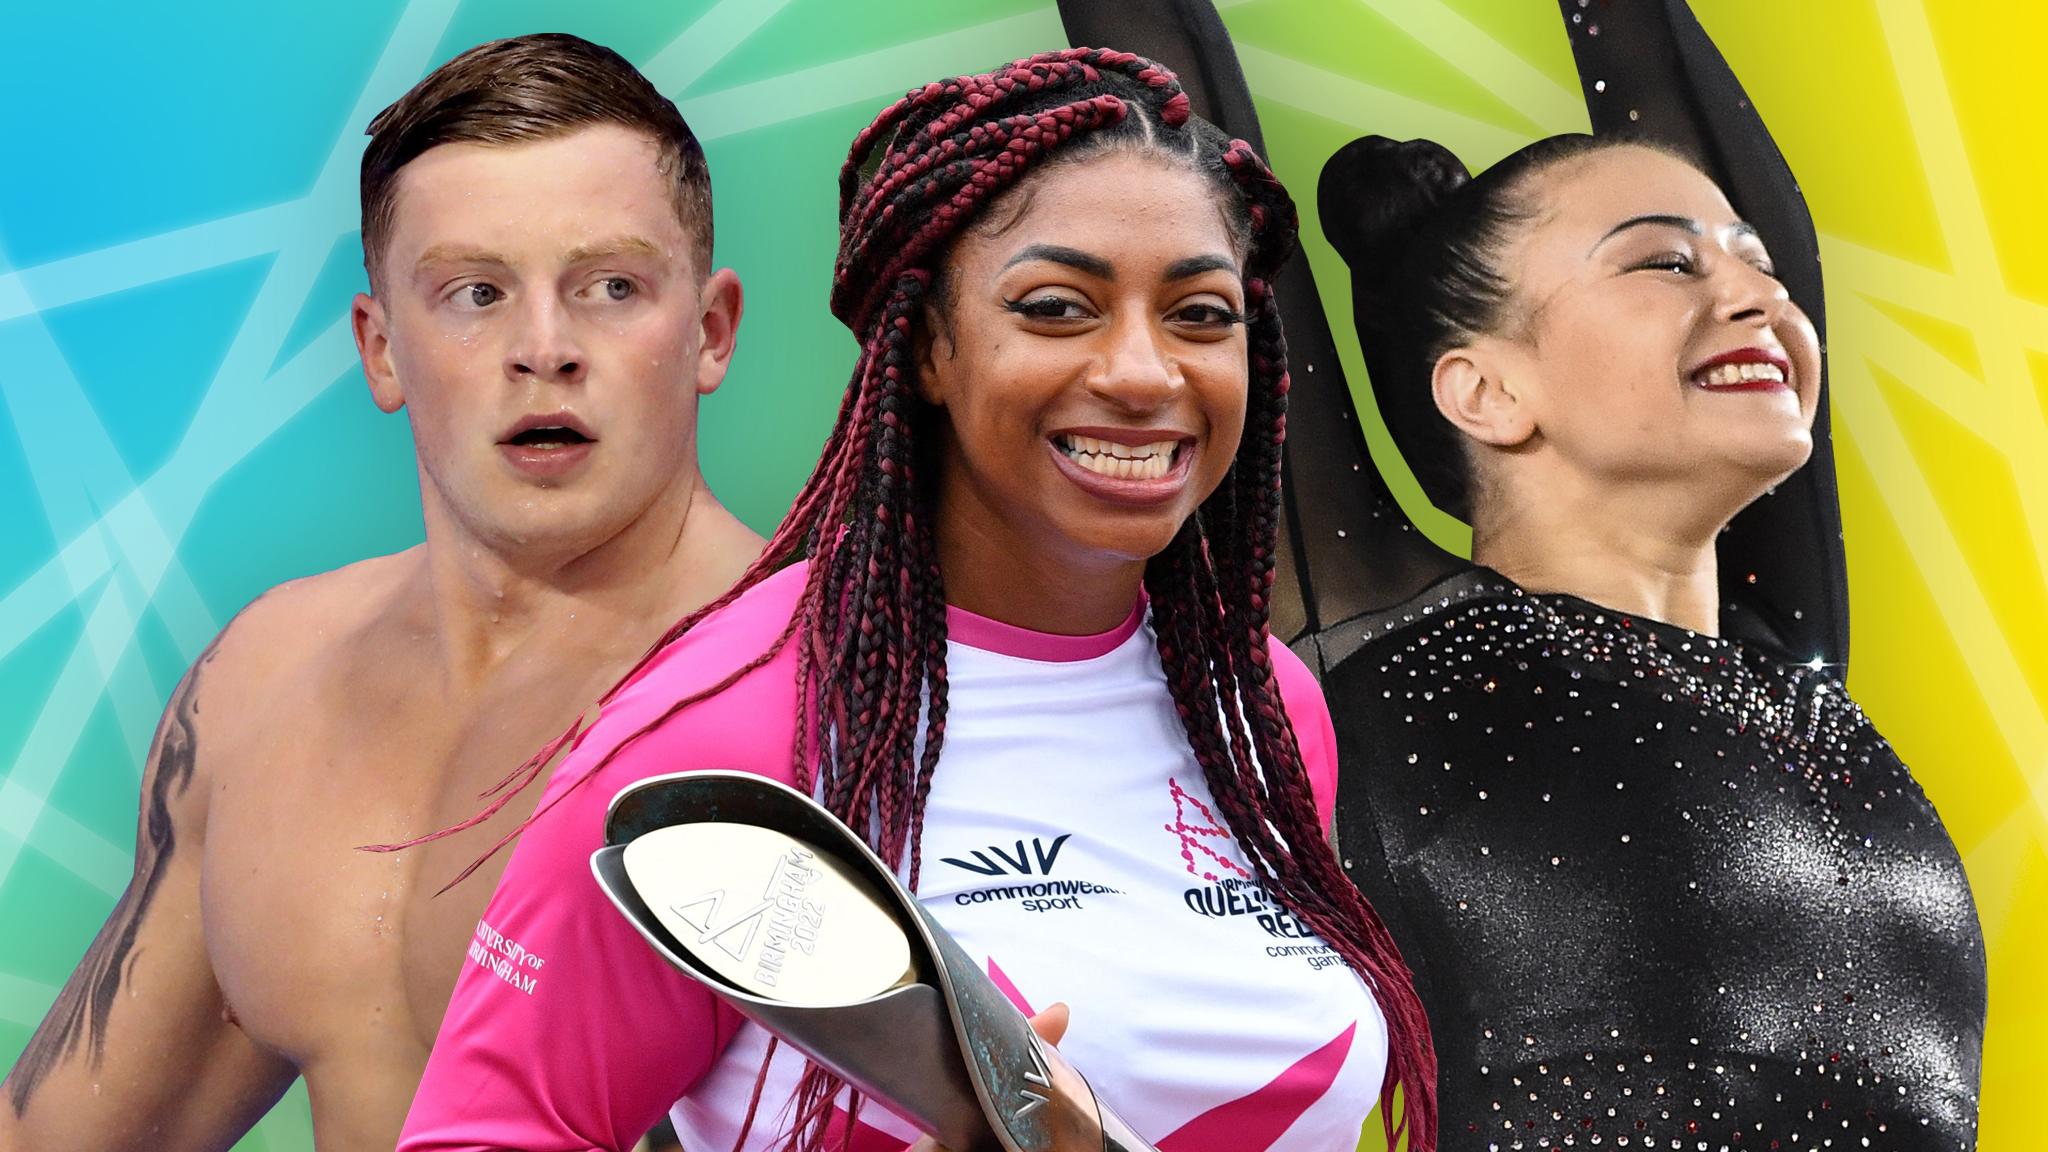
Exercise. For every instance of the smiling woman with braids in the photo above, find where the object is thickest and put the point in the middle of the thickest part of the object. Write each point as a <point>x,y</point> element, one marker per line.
<point>1014,628</point>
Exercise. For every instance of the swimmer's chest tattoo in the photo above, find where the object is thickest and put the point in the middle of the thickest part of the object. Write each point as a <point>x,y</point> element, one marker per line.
<point>78,1019</point>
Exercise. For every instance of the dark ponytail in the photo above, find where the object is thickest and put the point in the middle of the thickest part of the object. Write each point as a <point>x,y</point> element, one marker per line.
<point>1375,191</point>
<point>1424,241</point>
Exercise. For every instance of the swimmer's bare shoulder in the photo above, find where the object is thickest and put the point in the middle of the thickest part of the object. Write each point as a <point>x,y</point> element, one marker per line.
<point>140,1048</point>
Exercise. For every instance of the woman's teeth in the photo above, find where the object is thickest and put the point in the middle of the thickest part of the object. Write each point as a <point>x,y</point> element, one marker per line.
<point>1120,461</point>
<point>1723,375</point>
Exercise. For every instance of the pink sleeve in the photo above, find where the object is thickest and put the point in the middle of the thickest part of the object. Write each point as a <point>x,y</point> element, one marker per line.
<point>567,1030</point>
<point>1309,713</point>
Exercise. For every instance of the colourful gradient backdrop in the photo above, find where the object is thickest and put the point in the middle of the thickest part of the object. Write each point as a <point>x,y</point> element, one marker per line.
<point>185,423</point>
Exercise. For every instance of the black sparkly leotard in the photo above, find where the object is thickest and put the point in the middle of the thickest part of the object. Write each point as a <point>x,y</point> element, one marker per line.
<point>1659,890</point>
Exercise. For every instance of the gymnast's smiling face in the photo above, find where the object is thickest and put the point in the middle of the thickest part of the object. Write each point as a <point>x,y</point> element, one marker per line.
<point>1646,341</point>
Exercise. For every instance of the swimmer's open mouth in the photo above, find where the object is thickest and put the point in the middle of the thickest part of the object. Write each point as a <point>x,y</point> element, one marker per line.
<point>544,430</point>
<point>549,437</point>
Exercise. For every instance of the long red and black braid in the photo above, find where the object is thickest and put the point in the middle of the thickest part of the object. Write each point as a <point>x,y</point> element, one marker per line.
<point>1211,594</point>
<point>871,624</point>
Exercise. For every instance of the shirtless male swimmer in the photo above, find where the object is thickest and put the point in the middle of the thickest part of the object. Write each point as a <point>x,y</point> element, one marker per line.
<point>537,229</point>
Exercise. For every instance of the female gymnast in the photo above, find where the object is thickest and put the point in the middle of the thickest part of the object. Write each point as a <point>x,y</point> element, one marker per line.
<point>1660,878</point>
<point>1015,630</point>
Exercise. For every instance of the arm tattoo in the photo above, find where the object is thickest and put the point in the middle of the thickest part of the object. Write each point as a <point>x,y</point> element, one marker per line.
<point>79,1017</point>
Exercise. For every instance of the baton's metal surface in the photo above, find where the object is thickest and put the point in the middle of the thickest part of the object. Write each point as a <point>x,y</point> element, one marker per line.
<point>768,914</point>
<point>939,1044</point>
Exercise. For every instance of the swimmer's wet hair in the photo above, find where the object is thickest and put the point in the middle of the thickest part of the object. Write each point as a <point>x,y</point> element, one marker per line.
<point>520,90</point>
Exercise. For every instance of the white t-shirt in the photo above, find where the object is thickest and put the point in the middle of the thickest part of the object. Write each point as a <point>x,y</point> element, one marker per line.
<point>1070,844</point>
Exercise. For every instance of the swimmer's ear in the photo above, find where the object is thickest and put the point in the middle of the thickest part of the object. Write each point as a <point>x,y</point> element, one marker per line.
<point>1476,388</point>
<point>720,302</point>
<point>373,344</point>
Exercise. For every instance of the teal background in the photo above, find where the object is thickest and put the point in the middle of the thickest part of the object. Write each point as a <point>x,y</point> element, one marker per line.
<point>185,424</point>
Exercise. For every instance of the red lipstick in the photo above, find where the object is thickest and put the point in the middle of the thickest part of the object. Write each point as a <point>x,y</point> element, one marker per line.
<point>1705,371</point>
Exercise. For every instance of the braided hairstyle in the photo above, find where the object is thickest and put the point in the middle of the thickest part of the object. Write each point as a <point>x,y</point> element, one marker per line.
<point>871,623</point>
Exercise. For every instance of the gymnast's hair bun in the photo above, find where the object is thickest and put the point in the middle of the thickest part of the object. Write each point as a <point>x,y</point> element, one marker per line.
<point>1375,193</point>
